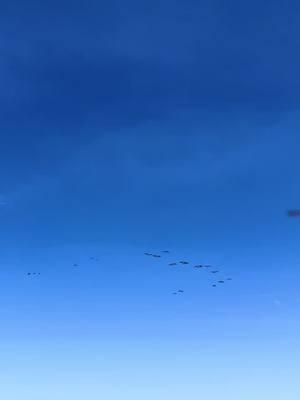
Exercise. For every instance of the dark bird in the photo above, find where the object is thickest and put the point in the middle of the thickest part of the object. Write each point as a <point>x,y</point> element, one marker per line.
<point>174,293</point>
<point>214,272</point>
<point>221,281</point>
<point>229,279</point>
<point>165,251</point>
<point>75,265</point>
<point>183,262</point>
<point>293,213</point>
<point>206,266</point>
<point>156,255</point>
<point>198,266</point>
<point>148,254</point>
<point>214,285</point>
<point>28,273</point>
<point>180,291</point>
<point>173,264</point>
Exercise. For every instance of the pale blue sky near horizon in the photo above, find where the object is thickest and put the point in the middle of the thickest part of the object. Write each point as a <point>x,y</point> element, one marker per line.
<point>142,126</point>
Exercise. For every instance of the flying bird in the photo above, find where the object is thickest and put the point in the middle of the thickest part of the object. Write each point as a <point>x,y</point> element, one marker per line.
<point>183,262</point>
<point>198,266</point>
<point>75,265</point>
<point>214,285</point>
<point>174,263</point>
<point>156,255</point>
<point>148,254</point>
<point>214,272</point>
<point>293,213</point>
<point>221,281</point>
<point>180,291</point>
<point>165,251</point>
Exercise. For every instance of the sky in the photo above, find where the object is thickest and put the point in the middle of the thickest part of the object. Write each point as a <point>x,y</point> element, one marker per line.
<point>138,126</point>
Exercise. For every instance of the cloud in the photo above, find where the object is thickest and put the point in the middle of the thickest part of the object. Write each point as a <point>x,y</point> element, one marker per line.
<point>277,302</point>
<point>3,201</point>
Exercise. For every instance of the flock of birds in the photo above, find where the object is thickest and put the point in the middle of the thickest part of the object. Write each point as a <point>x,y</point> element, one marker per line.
<point>290,213</point>
<point>209,268</point>
<point>197,266</point>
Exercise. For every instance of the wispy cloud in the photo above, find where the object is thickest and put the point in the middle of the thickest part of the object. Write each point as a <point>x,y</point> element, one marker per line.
<point>3,201</point>
<point>277,302</point>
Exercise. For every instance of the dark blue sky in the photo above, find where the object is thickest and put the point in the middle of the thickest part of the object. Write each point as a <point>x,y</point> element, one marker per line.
<point>135,126</point>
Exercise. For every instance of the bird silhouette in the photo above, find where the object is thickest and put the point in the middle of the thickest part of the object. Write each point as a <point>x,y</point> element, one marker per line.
<point>293,213</point>
<point>185,262</point>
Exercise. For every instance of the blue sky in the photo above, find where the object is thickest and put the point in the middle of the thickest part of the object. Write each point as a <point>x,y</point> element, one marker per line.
<point>144,126</point>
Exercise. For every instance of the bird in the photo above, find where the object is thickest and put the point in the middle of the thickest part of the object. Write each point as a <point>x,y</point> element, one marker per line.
<point>148,254</point>
<point>221,281</point>
<point>214,285</point>
<point>180,291</point>
<point>174,293</point>
<point>165,251</point>
<point>174,263</point>
<point>214,272</point>
<point>28,273</point>
<point>198,266</point>
<point>75,265</point>
<point>229,279</point>
<point>183,262</point>
<point>293,213</point>
<point>156,255</point>
<point>206,266</point>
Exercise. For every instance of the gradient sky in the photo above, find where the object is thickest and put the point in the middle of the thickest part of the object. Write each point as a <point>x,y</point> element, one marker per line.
<point>132,126</point>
